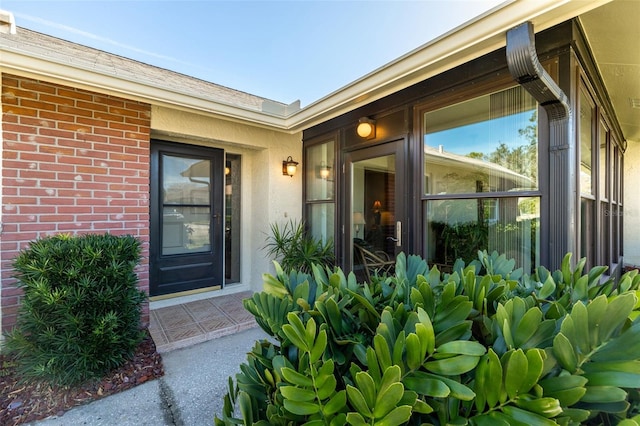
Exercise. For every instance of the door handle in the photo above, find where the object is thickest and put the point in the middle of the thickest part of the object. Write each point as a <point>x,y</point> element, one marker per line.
<point>398,238</point>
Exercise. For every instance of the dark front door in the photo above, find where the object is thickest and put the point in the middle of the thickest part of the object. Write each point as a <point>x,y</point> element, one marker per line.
<point>186,238</point>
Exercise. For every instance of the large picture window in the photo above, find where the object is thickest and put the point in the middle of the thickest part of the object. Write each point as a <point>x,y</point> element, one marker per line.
<point>488,144</point>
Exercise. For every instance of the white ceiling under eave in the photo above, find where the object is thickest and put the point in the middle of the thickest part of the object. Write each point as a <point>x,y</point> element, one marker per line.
<point>613,34</point>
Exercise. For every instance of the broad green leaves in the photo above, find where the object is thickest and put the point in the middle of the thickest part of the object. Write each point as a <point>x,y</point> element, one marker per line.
<point>519,324</point>
<point>598,332</point>
<point>483,345</point>
<point>506,386</point>
<point>379,403</point>
<point>310,390</point>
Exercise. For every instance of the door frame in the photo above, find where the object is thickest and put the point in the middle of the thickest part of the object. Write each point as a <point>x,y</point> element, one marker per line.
<point>399,148</point>
<point>212,260</point>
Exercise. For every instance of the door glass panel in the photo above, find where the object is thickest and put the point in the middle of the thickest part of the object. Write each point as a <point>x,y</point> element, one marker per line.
<point>186,210</point>
<point>232,218</point>
<point>185,230</point>
<point>587,231</point>
<point>185,180</point>
<point>320,190</point>
<point>604,168</point>
<point>373,212</point>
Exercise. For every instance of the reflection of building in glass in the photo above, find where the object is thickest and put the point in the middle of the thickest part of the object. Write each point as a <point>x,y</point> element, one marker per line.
<point>186,211</point>
<point>453,173</point>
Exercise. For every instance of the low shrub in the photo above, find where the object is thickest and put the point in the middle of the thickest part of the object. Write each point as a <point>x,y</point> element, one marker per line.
<point>80,313</point>
<point>484,345</point>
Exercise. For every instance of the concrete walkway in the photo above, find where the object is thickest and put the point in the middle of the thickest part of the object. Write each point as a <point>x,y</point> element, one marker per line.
<point>190,393</point>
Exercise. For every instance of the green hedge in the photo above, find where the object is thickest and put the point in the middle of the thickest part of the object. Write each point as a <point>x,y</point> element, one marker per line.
<point>484,345</point>
<point>80,313</point>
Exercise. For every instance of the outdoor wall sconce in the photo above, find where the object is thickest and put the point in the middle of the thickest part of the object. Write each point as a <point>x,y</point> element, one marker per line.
<point>289,167</point>
<point>324,170</point>
<point>366,128</point>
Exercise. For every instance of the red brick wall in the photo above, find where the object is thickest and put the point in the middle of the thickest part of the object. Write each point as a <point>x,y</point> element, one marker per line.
<point>73,161</point>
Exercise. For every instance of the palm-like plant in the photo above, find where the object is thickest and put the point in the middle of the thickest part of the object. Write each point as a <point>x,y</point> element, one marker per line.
<point>295,249</point>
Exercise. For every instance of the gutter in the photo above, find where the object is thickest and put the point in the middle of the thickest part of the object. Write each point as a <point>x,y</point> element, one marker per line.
<point>526,69</point>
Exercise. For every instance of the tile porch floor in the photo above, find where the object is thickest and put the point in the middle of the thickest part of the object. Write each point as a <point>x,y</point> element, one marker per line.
<point>186,324</point>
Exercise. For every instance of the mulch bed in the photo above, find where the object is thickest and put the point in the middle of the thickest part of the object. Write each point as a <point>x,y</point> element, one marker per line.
<point>26,402</point>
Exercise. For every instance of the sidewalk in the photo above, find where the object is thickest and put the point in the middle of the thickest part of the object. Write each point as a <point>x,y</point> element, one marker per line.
<point>190,393</point>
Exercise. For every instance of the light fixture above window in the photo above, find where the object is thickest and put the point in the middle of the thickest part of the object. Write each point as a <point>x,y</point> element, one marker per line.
<point>289,167</point>
<point>366,128</point>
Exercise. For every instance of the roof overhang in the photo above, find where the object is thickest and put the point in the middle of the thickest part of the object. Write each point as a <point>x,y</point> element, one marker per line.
<point>61,73</point>
<point>483,34</point>
<point>469,41</point>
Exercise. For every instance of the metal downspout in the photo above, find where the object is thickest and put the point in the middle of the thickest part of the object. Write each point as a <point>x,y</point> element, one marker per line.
<point>526,69</point>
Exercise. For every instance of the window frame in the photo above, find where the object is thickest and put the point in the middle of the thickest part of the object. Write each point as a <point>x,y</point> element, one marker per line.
<point>464,94</point>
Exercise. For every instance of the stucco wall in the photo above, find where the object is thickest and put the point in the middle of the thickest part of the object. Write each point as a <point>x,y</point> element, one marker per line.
<point>631,216</point>
<point>267,195</point>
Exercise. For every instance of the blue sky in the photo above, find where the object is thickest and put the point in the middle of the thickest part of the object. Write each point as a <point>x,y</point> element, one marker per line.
<point>282,50</point>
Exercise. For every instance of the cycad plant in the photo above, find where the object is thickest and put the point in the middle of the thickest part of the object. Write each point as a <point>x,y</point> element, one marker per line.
<point>484,345</point>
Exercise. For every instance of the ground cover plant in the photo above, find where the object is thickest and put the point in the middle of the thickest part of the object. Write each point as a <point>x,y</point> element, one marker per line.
<point>484,345</point>
<point>79,316</point>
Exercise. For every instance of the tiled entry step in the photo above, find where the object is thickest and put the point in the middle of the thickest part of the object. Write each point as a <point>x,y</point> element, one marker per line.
<point>189,323</point>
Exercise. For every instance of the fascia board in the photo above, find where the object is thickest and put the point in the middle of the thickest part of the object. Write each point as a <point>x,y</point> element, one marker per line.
<point>35,67</point>
<point>484,34</point>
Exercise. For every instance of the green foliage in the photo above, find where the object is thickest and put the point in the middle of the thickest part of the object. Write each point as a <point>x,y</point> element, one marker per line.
<point>483,345</point>
<point>293,247</point>
<point>80,313</point>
